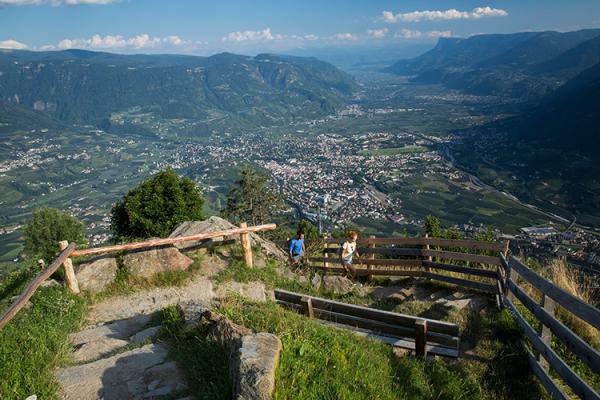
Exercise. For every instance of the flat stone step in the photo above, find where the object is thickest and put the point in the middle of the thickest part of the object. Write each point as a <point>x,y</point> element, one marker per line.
<point>143,373</point>
<point>98,341</point>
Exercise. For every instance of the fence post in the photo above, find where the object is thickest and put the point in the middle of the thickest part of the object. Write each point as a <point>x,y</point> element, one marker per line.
<point>428,258</point>
<point>326,247</point>
<point>421,338</point>
<point>70,278</point>
<point>307,307</point>
<point>514,276</point>
<point>245,239</point>
<point>545,332</point>
<point>371,245</point>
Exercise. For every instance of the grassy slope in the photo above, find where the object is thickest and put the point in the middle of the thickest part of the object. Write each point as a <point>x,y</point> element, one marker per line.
<point>319,362</point>
<point>495,367</point>
<point>35,342</point>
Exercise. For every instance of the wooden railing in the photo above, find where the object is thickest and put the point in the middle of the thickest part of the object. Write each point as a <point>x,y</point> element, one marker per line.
<point>69,250</point>
<point>428,335</point>
<point>391,257</point>
<point>540,340</point>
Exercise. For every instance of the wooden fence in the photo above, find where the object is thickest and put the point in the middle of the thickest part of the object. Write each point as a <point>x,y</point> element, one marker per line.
<point>392,257</point>
<point>546,358</point>
<point>428,335</point>
<point>69,250</point>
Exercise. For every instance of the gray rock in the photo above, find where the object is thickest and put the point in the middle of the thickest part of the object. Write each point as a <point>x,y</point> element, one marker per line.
<point>124,376</point>
<point>316,281</point>
<point>215,223</point>
<point>146,334</point>
<point>98,341</point>
<point>148,262</point>
<point>258,360</point>
<point>391,292</point>
<point>51,283</point>
<point>96,274</point>
<point>337,284</point>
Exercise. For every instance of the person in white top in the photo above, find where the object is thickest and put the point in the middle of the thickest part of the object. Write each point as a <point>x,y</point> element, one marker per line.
<point>348,252</point>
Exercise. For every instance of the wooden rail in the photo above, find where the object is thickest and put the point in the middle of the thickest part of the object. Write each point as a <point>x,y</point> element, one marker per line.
<point>429,335</point>
<point>68,251</point>
<point>34,285</point>
<point>540,340</point>
<point>433,259</point>
<point>161,242</point>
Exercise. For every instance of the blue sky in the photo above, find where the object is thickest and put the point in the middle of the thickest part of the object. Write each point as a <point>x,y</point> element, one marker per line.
<point>205,27</point>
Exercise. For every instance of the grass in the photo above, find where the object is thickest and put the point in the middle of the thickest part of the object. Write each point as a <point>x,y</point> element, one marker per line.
<point>321,362</point>
<point>204,361</point>
<point>36,342</point>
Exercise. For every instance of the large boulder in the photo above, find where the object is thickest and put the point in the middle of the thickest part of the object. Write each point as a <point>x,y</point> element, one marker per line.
<point>337,284</point>
<point>96,274</point>
<point>258,360</point>
<point>147,262</point>
<point>214,224</point>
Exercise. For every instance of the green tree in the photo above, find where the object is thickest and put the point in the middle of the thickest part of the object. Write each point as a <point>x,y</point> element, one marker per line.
<point>47,227</point>
<point>432,226</point>
<point>310,230</point>
<point>157,206</point>
<point>252,200</point>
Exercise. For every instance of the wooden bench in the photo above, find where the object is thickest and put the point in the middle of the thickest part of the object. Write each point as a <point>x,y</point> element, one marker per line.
<point>422,335</point>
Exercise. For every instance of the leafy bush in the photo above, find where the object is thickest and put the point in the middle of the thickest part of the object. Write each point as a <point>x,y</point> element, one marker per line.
<point>48,226</point>
<point>157,206</point>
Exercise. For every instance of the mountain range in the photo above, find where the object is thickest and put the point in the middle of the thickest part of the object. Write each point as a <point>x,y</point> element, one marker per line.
<point>525,66</point>
<point>84,87</point>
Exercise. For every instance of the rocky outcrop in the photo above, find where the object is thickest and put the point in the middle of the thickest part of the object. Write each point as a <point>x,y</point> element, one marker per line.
<point>96,274</point>
<point>215,223</point>
<point>253,357</point>
<point>143,373</point>
<point>98,341</point>
<point>258,360</point>
<point>147,262</point>
<point>337,284</point>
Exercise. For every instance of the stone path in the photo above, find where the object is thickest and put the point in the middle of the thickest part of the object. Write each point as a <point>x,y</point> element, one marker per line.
<point>107,363</point>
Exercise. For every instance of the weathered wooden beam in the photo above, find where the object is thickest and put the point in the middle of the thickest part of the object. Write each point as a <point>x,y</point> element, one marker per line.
<point>368,313</point>
<point>577,306</point>
<point>547,382</point>
<point>246,247</point>
<point>570,377</point>
<point>462,282</point>
<point>457,268</point>
<point>371,255</point>
<point>574,343</point>
<point>421,338</point>
<point>161,242</point>
<point>307,307</point>
<point>34,285</point>
<point>545,333</point>
<point>70,278</point>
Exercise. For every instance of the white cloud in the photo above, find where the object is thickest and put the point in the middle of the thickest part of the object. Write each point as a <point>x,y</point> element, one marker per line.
<point>439,34</point>
<point>345,36</point>
<point>252,36</point>
<point>408,34</point>
<point>108,42</point>
<point>438,15</point>
<point>377,33</point>
<point>53,2</point>
<point>311,37</point>
<point>12,44</point>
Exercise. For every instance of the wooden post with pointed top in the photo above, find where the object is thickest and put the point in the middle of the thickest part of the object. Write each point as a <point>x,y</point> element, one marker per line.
<point>371,256</point>
<point>245,239</point>
<point>70,278</point>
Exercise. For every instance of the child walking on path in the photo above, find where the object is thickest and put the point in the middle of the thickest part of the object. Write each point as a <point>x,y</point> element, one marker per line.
<point>348,252</point>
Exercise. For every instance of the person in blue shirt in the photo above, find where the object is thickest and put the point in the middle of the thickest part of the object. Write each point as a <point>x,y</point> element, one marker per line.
<point>296,248</point>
